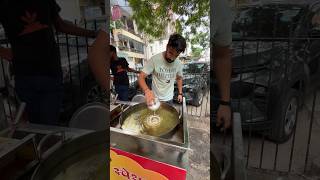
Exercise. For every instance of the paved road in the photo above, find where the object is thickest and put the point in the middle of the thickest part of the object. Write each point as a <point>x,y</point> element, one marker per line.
<point>263,154</point>
<point>199,157</point>
<point>262,167</point>
<point>201,111</point>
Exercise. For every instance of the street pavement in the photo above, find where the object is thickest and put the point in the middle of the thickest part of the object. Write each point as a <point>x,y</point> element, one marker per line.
<point>263,159</point>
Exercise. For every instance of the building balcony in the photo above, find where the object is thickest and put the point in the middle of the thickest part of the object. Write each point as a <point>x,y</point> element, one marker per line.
<point>132,52</point>
<point>127,33</point>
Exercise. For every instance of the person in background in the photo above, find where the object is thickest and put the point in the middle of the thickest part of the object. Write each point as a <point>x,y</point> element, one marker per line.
<point>29,26</point>
<point>221,39</point>
<point>165,69</point>
<point>119,67</point>
<point>221,23</point>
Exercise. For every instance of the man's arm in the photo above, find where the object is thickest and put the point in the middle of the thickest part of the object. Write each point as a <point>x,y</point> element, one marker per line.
<point>147,69</point>
<point>221,19</point>
<point>222,68</point>
<point>148,93</point>
<point>69,28</point>
<point>142,82</point>
<point>98,59</point>
<point>5,53</point>
<point>179,84</point>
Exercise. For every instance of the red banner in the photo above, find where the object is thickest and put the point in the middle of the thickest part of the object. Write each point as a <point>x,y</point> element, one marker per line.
<point>129,166</point>
<point>116,13</point>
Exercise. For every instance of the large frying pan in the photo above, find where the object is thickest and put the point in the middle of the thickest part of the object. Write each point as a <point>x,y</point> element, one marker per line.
<point>84,157</point>
<point>165,127</point>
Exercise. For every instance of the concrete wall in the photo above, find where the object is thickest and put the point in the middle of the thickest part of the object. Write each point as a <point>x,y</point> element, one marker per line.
<point>156,47</point>
<point>70,9</point>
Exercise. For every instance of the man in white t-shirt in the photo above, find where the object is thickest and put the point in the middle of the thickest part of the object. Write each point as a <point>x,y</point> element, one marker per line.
<point>221,36</point>
<point>165,69</point>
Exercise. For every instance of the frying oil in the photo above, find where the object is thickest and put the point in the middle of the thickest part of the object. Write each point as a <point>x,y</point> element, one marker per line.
<point>137,122</point>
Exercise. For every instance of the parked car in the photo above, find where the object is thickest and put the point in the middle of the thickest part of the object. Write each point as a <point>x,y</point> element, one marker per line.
<point>195,82</point>
<point>274,59</point>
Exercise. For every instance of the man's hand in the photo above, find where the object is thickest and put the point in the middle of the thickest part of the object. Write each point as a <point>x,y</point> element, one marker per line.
<point>6,53</point>
<point>149,97</point>
<point>223,67</point>
<point>224,117</point>
<point>180,97</point>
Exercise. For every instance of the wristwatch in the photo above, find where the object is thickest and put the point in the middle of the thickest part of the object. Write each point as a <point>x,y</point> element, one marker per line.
<point>180,94</point>
<point>225,103</point>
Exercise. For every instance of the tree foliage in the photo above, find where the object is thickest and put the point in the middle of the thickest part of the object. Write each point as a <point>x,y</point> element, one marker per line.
<point>153,16</point>
<point>196,52</point>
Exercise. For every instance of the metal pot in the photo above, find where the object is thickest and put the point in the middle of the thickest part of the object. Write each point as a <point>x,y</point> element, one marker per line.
<point>84,157</point>
<point>97,113</point>
<point>163,126</point>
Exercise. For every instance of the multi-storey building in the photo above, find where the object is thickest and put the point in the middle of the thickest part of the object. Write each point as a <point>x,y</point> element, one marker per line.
<point>129,42</point>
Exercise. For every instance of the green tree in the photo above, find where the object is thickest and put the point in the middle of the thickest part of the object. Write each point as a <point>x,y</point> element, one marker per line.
<point>116,24</point>
<point>196,51</point>
<point>199,43</point>
<point>152,16</point>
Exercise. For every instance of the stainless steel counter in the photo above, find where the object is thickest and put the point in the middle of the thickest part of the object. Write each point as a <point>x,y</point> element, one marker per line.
<point>172,150</point>
<point>23,149</point>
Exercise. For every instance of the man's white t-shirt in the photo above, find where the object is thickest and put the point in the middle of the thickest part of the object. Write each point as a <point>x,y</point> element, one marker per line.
<point>221,23</point>
<point>163,75</point>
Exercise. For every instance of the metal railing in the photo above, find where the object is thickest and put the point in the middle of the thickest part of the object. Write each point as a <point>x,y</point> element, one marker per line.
<point>79,83</point>
<point>76,72</point>
<point>196,106</point>
<point>298,156</point>
<point>264,73</point>
<point>253,95</point>
<point>259,65</point>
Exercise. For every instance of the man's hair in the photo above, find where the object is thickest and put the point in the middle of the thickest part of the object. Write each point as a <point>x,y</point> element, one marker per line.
<point>113,49</point>
<point>177,42</point>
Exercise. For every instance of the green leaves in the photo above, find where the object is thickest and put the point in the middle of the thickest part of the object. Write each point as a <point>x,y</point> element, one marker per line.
<point>178,27</point>
<point>191,18</point>
<point>151,16</point>
<point>199,43</point>
<point>196,52</point>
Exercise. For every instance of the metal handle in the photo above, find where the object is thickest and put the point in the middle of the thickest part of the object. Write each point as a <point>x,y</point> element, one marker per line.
<point>182,106</point>
<point>180,114</point>
<point>17,119</point>
<point>115,99</point>
<point>20,112</point>
<point>238,149</point>
<point>126,103</point>
<point>227,165</point>
<point>41,155</point>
